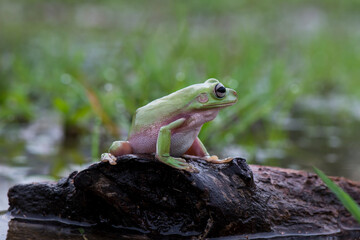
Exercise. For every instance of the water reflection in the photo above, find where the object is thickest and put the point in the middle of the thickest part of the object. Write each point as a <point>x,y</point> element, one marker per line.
<point>319,132</point>
<point>19,230</point>
<point>4,219</point>
<point>329,138</point>
<point>44,135</point>
<point>8,177</point>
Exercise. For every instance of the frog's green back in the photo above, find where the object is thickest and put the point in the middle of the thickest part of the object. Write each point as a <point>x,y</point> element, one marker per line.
<point>166,107</point>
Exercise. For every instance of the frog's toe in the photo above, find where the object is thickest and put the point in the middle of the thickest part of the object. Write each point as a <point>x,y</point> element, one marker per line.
<point>179,163</point>
<point>190,168</point>
<point>108,157</point>
<point>212,158</point>
<point>183,165</point>
<point>180,160</point>
<point>226,160</point>
<point>215,159</point>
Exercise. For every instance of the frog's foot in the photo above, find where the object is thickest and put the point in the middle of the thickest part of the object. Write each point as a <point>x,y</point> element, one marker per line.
<point>177,163</point>
<point>108,157</point>
<point>215,159</point>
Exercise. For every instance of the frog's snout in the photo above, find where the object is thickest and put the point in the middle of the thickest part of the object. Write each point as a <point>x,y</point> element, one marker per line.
<point>233,95</point>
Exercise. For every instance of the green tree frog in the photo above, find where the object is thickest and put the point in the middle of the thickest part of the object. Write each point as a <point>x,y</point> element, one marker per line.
<point>169,126</point>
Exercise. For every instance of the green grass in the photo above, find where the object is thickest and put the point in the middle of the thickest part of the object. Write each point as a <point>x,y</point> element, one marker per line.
<point>345,198</point>
<point>131,53</point>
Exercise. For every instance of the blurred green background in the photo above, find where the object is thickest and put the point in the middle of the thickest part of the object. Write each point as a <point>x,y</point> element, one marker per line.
<point>72,73</point>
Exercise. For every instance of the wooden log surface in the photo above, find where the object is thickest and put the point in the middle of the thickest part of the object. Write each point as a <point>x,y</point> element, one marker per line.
<point>142,194</point>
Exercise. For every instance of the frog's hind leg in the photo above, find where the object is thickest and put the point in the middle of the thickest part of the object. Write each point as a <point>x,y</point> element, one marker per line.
<point>198,149</point>
<point>117,148</point>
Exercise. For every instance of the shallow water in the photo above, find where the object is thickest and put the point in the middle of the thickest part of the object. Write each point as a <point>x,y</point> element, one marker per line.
<point>316,135</point>
<point>4,219</point>
<point>320,132</point>
<point>12,229</point>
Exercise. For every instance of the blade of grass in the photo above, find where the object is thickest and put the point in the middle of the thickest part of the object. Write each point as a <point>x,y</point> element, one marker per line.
<point>95,140</point>
<point>345,198</point>
<point>100,112</point>
<point>98,108</point>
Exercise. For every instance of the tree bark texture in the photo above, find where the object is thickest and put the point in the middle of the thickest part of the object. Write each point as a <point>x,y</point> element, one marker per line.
<point>220,200</point>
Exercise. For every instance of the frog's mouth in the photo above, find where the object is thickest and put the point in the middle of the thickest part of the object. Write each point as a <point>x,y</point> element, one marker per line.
<point>217,105</point>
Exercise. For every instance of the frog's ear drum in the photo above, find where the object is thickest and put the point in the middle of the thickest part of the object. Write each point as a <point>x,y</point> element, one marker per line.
<point>203,98</point>
<point>220,90</point>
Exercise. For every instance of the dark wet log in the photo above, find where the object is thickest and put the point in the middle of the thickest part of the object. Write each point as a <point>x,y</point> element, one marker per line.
<point>221,200</point>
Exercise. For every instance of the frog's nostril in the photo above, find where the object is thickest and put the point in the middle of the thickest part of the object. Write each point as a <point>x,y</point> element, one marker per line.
<point>234,93</point>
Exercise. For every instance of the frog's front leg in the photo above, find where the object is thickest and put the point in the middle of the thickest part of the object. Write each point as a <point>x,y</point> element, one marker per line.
<point>198,149</point>
<point>117,148</point>
<point>163,147</point>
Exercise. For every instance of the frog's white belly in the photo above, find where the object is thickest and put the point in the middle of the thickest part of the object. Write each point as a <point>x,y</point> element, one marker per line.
<point>181,138</point>
<point>182,141</point>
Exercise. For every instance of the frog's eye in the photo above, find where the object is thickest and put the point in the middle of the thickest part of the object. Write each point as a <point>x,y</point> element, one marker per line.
<point>220,90</point>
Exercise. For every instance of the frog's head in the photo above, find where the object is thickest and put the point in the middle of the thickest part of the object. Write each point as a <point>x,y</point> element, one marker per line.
<point>212,94</point>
